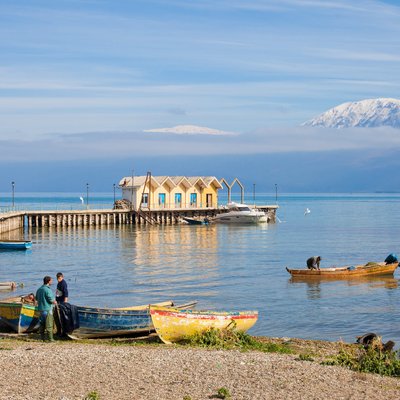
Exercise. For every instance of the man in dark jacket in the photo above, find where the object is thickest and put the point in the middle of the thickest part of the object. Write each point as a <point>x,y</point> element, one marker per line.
<point>313,262</point>
<point>62,289</point>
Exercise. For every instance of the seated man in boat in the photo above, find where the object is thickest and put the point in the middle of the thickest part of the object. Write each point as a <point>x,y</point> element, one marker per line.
<point>313,262</point>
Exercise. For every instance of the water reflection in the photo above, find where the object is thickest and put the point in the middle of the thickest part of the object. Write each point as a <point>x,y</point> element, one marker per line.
<point>194,246</point>
<point>314,284</point>
<point>172,259</point>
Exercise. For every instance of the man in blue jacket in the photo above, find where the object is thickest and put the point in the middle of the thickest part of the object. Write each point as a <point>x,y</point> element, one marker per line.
<point>62,289</point>
<point>45,299</point>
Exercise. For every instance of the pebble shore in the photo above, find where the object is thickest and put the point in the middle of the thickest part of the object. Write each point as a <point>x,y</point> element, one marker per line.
<point>69,370</point>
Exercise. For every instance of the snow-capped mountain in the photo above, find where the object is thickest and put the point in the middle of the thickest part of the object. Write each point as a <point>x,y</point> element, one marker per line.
<point>369,113</point>
<point>190,130</point>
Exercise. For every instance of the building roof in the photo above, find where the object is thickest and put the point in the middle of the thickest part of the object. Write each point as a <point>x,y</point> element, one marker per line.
<point>171,181</point>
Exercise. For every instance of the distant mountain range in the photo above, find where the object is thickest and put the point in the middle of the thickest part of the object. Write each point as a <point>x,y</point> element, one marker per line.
<point>369,113</point>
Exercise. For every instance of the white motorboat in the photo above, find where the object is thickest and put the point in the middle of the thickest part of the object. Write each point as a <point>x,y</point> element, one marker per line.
<point>240,214</point>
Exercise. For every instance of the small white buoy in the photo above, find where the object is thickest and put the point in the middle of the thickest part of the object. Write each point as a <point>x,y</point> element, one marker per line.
<point>307,211</point>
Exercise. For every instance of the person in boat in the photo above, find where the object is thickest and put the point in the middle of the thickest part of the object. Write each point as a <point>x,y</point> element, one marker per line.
<point>62,289</point>
<point>45,300</point>
<point>313,262</point>
<point>391,259</point>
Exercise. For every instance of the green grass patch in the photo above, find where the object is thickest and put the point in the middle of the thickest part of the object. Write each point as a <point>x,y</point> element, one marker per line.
<point>223,393</point>
<point>93,395</point>
<point>304,357</point>
<point>371,360</point>
<point>232,339</point>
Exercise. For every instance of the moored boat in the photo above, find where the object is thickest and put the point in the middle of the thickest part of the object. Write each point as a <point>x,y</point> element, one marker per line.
<point>19,316</point>
<point>15,244</point>
<point>174,325</point>
<point>7,285</point>
<point>369,269</point>
<point>113,322</point>
<point>240,214</point>
<point>196,221</point>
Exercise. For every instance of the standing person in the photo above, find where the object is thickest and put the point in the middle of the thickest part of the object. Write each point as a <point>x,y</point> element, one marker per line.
<point>62,289</point>
<point>313,262</point>
<point>45,299</point>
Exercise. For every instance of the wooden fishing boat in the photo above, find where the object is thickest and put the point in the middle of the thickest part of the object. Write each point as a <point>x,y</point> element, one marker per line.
<point>113,322</point>
<point>15,244</point>
<point>174,325</point>
<point>370,269</point>
<point>7,285</point>
<point>19,316</point>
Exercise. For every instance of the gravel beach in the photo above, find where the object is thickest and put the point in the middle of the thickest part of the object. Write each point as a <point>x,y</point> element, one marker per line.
<point>68,370</point>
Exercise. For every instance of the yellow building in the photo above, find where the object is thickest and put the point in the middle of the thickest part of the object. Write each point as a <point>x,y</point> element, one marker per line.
<point>170,192</point>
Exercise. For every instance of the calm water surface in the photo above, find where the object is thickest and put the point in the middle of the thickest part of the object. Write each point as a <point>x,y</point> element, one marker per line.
<point>233,267</point>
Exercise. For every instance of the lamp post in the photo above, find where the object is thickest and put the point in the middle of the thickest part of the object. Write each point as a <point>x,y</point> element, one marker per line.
<point>13,191</point>
<point>87,195</point>
<point>114,192</point>
<point>276,193</point>
<point>132,203</point>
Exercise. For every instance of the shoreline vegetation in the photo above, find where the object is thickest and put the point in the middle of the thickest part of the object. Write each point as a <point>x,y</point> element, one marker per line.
<point>206,367</point>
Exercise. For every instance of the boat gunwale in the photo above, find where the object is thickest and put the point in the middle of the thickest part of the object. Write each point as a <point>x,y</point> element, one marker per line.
<point>134,309</point>
<point>207,314</point>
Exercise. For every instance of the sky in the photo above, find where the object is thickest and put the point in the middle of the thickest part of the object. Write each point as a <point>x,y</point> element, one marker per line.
<point>103,79</point>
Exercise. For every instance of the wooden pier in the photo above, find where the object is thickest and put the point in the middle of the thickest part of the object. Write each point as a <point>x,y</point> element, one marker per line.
<point>11,221</point>
<point>17,220</point>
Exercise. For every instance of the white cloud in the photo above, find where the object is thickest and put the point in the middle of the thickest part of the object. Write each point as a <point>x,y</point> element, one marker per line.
<point>114,144</point>
<point>191,130</point>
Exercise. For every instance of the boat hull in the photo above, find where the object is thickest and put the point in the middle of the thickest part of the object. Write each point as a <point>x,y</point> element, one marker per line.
<point>21,318</point>
<point>114,322</point>
<point>375,269</point>
<point>7,285</point>
<point>174,325</point>
<point>193,221</point>
<point>15,245</point>
<point>229,218</point>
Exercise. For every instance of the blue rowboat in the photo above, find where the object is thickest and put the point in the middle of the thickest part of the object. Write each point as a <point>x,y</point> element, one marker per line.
<point>15,244</point>
<point>112,322</point>
<point>20,317</point>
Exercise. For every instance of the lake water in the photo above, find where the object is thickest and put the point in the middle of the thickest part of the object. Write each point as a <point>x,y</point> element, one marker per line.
<point>230,267</point>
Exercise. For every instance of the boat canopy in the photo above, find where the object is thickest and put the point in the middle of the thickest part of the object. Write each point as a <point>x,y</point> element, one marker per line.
<point>238,207</point>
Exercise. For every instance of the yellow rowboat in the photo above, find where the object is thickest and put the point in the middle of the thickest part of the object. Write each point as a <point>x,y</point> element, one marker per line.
<point>370,269</point>
<point>174,325</point>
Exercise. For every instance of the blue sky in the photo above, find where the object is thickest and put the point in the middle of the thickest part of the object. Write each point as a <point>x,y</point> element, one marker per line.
<point>85,79</point>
